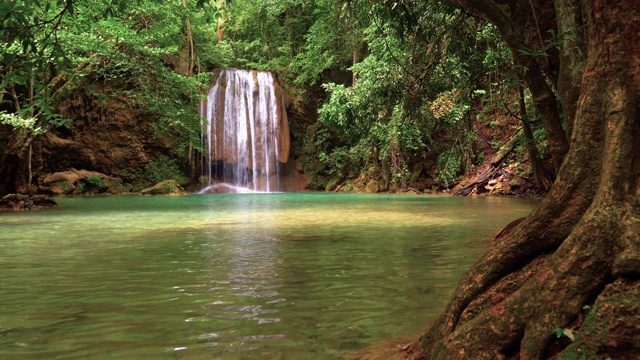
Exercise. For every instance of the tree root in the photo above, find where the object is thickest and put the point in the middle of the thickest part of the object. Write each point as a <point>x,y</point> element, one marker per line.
<point>502,320</point>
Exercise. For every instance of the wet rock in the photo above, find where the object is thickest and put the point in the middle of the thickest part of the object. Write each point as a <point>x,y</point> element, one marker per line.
<point>113,137</point>
<point>26,202</point>
<point>167,187</point>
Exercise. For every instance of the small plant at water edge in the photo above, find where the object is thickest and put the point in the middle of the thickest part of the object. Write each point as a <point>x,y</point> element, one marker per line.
<point>95,181</point>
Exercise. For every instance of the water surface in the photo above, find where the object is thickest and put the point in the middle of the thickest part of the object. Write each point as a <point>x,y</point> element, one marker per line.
<point>233,276</point>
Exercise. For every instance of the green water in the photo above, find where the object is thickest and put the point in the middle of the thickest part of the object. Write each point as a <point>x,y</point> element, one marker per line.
<point>255,276</point>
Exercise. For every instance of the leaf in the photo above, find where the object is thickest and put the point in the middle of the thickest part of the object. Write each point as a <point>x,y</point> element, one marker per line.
<point>569,333</point>
<point>565,332</point>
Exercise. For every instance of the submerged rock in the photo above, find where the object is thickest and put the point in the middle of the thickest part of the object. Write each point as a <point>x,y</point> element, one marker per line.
<point>25,202</point>
<point>167,187</point>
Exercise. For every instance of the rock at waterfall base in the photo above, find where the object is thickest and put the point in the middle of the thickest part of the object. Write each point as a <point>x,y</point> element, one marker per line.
<point>167,187</point>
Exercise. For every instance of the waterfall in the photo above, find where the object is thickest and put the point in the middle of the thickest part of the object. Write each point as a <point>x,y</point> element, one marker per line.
<point>246,132</point>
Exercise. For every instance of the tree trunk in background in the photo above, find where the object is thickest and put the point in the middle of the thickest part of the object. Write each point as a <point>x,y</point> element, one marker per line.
<point>355,61</point>
<point>581,246</point>
<point>572,56</point>
<point>221,5</point>
<point>190,74</point>
<point>190,41</point>
<point>539,174</point>
<point>521,33</point>
<point>29,171</point>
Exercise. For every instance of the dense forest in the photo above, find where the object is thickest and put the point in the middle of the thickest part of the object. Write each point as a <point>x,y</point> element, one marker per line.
<point>384,96</point>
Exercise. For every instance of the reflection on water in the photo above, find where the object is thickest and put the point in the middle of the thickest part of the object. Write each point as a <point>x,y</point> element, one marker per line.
<point>252,276</point>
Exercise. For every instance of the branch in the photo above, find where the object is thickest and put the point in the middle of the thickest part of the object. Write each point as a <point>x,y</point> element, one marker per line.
<point>40,24</point>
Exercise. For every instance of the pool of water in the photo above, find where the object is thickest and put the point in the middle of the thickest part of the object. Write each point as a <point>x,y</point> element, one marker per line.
<point>233,276</point>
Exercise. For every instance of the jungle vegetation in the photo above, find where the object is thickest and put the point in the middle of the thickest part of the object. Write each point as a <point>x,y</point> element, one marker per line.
<point>392,86</point>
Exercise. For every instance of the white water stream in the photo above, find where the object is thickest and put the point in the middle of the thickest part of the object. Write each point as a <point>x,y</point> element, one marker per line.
<point>242,131</point>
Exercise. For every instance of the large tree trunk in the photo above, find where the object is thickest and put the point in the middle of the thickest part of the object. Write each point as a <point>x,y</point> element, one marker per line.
<point>581,246</point>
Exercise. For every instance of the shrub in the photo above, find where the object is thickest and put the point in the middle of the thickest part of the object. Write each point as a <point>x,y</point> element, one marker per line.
<point>164,168</point>
<point>95,181</point>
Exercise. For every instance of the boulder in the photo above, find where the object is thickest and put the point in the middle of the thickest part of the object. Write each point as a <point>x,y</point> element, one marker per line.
<point>26,202</point>
<point>167,187</point>
<point>75,182</point>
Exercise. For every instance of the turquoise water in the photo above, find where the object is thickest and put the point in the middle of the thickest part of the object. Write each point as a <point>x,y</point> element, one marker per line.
<point>231,276</point>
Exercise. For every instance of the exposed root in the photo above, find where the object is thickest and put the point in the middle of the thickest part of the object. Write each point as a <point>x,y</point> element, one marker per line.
<point>611,328</point>
<point>504,319</point>
<point>542,232</point>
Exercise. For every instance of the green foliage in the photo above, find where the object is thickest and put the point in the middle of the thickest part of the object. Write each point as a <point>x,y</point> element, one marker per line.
<point>330,42</point>
<point>18,122</point>
<point>450,163</point>
<point>264,34</point>
<point>37,30</point>
<point>405,106</point>
<point>555,42</point>
<point>95,181</point>
<point>163,168</point>
<point>398,79</point>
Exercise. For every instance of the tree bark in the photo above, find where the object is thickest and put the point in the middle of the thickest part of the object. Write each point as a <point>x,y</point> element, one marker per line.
<point>221,5</point>
<point>539,174</point>
<point>192,57</point>
<point>582,242</point>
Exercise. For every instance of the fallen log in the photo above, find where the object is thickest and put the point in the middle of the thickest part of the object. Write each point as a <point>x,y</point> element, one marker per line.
<point>494,167</point>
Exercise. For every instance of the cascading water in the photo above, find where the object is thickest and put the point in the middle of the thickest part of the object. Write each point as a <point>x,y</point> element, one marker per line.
<point>246,132</point>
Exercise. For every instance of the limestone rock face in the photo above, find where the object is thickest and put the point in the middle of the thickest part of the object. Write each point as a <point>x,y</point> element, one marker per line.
<point>284,137</point>
<point>115,137</point>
